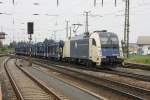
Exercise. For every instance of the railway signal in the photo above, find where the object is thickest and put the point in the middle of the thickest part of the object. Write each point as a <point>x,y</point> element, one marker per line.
<point>30,27</point>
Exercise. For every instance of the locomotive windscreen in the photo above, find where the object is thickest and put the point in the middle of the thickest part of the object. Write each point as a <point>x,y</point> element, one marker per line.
<point>109,40</point>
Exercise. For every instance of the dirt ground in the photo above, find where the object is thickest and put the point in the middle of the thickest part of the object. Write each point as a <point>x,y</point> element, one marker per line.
<point>1,59</point>
<point>0,93</point>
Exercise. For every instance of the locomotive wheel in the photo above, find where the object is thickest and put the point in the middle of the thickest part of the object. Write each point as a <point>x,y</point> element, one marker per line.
<point>89,64</point>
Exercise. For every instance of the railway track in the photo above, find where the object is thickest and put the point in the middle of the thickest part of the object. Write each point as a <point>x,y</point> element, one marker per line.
<point>122,88</point>
<point>26,86</point>
<point>6,88</point>
<point>110,71</point>
<point>133,92</point>
<point>13,83</point>
<point>137,66</point>
<point>127,74</point>
<point>71,91</point>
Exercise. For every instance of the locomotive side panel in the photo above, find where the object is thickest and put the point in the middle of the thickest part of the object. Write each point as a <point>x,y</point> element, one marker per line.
<point>79,49</point>
<point>53,51</point>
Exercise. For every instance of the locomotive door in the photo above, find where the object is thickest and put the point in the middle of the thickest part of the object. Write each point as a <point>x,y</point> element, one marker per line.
<point>94,51</point>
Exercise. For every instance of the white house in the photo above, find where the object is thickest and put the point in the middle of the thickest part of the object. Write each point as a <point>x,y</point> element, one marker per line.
<point>133,48</point>
<point>144,45</point>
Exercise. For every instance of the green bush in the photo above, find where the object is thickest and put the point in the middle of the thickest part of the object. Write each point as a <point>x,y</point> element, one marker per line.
<point>6,49</point>
<point>139,59</point>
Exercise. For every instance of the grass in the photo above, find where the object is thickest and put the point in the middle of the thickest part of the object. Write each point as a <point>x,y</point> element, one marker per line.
<point>139,59</point>
<point>6,49</point>
<point>1,60</point>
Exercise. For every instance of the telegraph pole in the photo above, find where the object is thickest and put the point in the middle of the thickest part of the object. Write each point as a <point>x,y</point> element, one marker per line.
<point>57,3</point>
<point>127,28</point>
<point>102,3</point>
<point>115,3</point>
<point>95,3</point>
<point>86,22</point>
<point>67,28</point>
<point>70,32</point>
<point>54,34</point>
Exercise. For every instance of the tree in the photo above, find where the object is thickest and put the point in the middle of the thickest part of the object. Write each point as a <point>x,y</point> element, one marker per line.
<point>12,44</point>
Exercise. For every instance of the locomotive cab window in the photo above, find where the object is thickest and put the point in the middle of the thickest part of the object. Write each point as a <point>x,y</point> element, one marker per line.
<point>93,42</point>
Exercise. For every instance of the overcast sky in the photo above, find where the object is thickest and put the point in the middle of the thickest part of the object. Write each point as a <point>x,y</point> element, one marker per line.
<point>52,18</point>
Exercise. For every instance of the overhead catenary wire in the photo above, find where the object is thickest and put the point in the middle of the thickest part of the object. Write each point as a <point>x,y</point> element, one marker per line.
<point>107,14</point>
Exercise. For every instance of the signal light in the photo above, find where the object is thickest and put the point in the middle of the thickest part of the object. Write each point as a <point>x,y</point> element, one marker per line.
<point>30,26</point>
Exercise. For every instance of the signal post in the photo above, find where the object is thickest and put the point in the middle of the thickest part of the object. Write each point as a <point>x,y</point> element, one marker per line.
<point>30,32</point>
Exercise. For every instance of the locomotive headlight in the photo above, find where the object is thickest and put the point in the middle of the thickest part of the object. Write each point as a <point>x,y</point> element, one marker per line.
<point>119,56</point>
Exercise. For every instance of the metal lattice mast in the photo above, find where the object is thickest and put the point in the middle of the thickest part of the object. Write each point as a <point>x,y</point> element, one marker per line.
<point>126,28</point>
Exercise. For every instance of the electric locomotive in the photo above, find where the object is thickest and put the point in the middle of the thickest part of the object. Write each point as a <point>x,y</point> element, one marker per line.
<point>97,48</point>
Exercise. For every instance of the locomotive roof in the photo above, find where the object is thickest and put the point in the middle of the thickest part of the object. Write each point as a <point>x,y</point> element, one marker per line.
<point>101,33</point>
<point>105,33</point>
<point>78,37</point>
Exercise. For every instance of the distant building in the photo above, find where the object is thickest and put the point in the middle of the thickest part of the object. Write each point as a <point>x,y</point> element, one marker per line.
<point>144,45</point>
<point>2,36</point>
<point>133,48</point>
